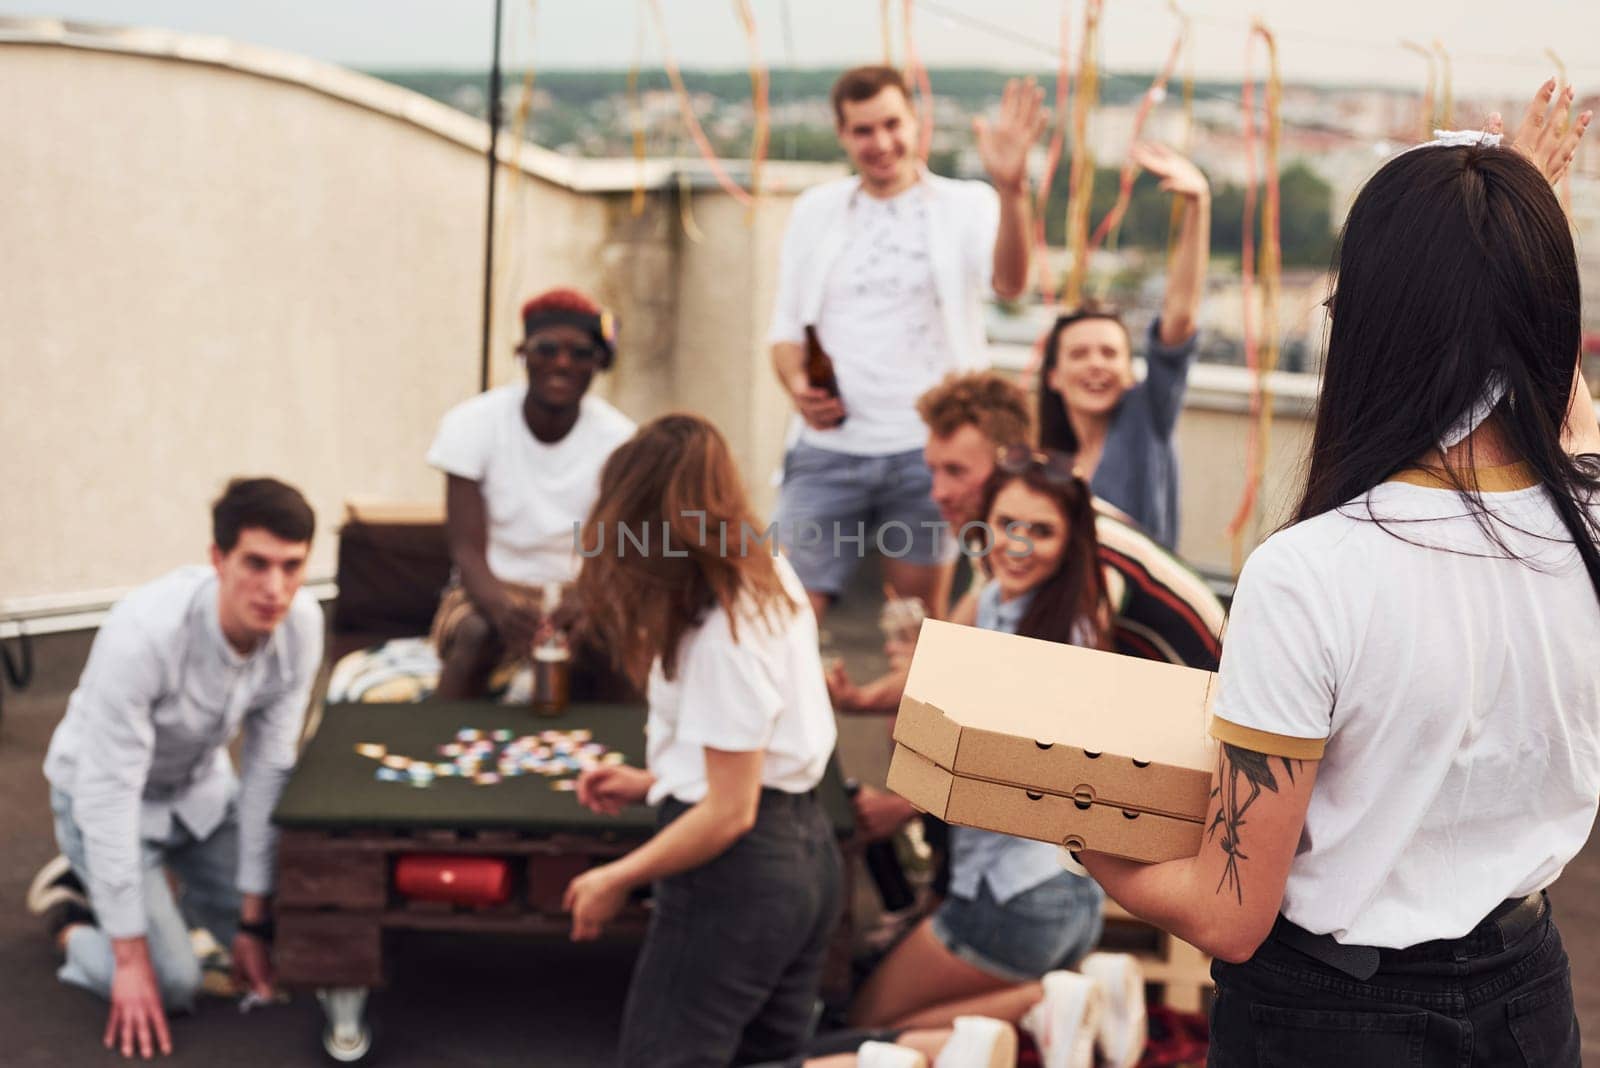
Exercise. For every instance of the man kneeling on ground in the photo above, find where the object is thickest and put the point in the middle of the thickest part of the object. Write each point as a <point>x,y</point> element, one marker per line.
<point>140,779</point>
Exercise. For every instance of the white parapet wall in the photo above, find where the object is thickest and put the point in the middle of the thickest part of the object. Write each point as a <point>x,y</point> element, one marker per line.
<point>225,260</point>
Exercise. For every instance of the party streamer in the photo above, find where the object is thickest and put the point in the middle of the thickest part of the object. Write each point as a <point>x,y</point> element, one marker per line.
<point>1429,103</point>
<point>1447,103</point>
<point>1047,287</point>
<point>691,229</point>
<point>1130,169</point>
<point>1186,142</point>
<point>506,262</point>
<point>686,105</point>
<point>636,119</point>
<point>917,74</point>
<point>759,94</point>
<point>1260,339</point>
<point>1080,182</point>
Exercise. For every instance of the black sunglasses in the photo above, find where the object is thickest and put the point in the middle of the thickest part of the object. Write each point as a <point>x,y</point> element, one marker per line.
<point>1054,465</point>
<point>549,350</point>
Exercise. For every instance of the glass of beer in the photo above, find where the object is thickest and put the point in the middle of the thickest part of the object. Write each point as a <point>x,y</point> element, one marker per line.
<point>552,658</point>
<point>901,619</point>
<point>552,671</point>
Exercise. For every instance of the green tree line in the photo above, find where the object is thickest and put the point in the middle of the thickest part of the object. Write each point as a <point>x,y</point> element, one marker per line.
<point>1305,216</point>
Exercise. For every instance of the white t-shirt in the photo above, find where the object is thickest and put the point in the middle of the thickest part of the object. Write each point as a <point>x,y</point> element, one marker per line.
<point>534,492</point>
<point>1453,696</point>
<point>766,691</point>
<point>882,326</point>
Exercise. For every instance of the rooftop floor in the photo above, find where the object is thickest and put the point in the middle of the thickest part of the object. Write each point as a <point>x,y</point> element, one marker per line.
<point>457,1001</point>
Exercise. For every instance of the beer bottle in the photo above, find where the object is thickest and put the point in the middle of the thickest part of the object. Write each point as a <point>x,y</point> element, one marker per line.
<point>819,366</point>
<point>883,864</point>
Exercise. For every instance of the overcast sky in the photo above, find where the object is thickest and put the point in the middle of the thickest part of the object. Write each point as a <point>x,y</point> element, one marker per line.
<point>1496,47</point>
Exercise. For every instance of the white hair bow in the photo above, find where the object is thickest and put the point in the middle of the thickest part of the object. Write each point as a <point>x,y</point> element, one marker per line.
<point>1458,138</point>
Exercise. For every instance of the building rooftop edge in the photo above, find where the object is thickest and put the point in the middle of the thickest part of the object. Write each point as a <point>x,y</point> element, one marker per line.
<point>373,94</point>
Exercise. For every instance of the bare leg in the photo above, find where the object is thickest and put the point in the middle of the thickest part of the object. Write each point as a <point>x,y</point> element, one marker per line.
<point>918,974</point>
<point>931,582</point>
<point>928,1043</point>
<point>1010,1004</point>
<point>474,651</point>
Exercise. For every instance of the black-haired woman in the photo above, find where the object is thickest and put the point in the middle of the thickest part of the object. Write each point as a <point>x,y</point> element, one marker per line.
<point>1408,708</point>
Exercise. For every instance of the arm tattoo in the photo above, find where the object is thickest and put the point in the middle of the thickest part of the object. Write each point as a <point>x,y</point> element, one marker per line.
<point>1234,764</point>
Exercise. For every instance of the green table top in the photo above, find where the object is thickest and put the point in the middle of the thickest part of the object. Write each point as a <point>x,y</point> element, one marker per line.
<point>334,787</point>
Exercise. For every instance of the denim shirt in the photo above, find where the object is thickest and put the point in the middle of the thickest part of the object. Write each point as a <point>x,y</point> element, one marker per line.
<point>1138,470</point>
<point>1008,864</point>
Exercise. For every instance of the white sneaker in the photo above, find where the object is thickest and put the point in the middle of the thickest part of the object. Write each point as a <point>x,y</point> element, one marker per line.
<point>979,1042</point>
<point>1064,1024</point>
<point>1124,1027</point>
<point>56,884</point>
<point>888,1055</point>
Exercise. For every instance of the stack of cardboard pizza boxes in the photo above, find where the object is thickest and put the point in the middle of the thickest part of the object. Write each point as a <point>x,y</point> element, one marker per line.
<point>1086,749</point>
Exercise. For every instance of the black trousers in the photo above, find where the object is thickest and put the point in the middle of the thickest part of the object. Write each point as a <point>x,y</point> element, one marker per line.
<point>729,971</point>
<point>1471,1002</point>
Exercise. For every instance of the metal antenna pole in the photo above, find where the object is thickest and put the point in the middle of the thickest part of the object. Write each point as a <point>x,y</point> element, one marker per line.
<point>488,236</point>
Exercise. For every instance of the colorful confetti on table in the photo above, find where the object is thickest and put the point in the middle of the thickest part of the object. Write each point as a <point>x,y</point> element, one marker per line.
<point>485,758</point>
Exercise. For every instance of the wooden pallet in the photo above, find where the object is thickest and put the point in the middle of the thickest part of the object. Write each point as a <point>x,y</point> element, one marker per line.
<point>1181,971</point>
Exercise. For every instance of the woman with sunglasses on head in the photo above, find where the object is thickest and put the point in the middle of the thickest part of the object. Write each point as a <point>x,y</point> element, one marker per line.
<point>1408,704</point>
<point>522,463</point>
<point>1089,403</point>
<point>718,632</point>
<point>1012,914</point>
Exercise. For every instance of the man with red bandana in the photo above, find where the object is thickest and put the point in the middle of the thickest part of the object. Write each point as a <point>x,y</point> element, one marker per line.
<point>522,468</point>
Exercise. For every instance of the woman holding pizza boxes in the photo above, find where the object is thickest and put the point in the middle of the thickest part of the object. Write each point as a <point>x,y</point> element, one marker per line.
<point>1408,706</point>
<point>745,868</point>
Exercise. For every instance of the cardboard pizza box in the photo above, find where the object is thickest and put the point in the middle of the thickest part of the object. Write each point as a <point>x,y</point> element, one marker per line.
<point>993,806</point>
<point>1090,726</point>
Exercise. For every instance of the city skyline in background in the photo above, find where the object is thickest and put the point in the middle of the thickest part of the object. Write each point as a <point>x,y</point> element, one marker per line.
<point>1359,42</point>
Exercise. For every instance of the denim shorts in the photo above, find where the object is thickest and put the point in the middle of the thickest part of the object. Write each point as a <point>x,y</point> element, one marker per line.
<point>836,507</point>
<point>1047,927</point>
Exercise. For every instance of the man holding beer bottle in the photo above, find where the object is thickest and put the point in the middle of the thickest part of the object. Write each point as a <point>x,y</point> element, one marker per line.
<point>880,294</point>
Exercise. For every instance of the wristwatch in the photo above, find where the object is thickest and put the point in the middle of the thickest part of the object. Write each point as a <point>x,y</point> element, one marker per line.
<point>262,929</point>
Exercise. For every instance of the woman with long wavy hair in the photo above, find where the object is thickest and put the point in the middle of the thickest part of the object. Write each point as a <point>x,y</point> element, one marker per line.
<point>1408,706</point>
<point>1012,914</point>
<point>717,631</point>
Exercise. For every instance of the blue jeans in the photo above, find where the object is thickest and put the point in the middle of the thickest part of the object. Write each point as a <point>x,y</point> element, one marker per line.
<point>835,507</point>
<point>1472,1002</point>
<point>1041,929</point>
<point>208,870</point>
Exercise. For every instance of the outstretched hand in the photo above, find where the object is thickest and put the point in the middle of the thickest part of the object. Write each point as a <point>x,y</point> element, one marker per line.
<point>1176,173</point>
<point>1539,136</point>
<point>1003,145</point>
